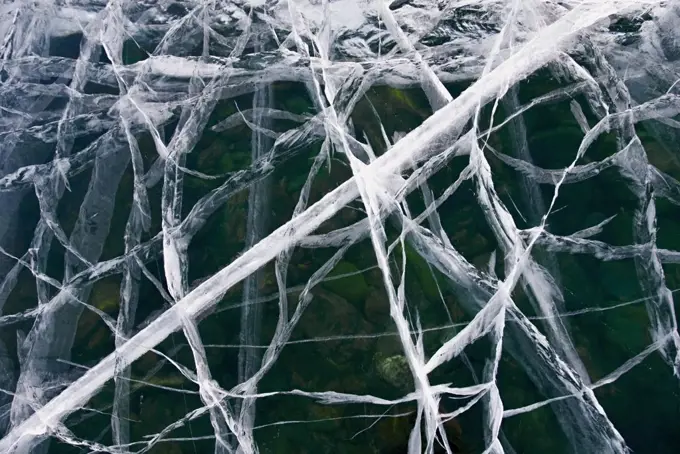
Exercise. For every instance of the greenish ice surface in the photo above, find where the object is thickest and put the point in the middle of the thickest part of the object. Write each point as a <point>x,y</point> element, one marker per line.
<point>339,379</point>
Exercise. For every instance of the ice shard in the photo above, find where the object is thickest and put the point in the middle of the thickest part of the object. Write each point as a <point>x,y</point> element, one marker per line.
<point>258,212</point>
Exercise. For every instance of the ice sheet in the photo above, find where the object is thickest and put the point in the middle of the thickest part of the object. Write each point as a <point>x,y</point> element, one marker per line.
<point>148,84</point>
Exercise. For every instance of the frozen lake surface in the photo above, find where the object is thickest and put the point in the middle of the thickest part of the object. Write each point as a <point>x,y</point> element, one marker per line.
<point>339,226</point>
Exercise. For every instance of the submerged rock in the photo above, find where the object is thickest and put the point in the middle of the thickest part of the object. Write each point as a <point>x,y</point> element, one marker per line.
<point>391,434</point>
<point>394,370</point>
<point>330,315</point>
<point>351,285</point>
<point>377,307</point>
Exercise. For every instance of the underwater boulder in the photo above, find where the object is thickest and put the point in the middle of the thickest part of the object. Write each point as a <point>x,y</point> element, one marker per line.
<point>394,370</point>
<point>351,286</point>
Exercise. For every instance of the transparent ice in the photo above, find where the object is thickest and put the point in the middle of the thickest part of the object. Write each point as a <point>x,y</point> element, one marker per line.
<point>97,116</point>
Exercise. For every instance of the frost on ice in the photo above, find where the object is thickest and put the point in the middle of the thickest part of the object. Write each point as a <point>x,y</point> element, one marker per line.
<point>338,226</point>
